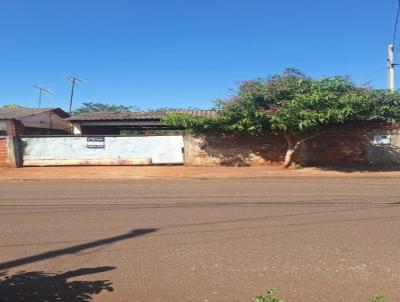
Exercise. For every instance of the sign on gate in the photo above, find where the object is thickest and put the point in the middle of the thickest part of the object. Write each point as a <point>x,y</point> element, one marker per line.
<point>95,142</point>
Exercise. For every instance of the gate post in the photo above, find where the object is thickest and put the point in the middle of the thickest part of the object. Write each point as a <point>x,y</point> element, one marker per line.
<point>11,152</point>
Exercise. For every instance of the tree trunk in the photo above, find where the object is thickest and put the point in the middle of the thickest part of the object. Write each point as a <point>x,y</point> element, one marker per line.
<point>288,157</point>
<point>293,145</point>
<point>290,150</point>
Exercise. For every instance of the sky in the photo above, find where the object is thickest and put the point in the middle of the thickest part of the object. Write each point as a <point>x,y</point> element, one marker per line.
<point>186,53</point>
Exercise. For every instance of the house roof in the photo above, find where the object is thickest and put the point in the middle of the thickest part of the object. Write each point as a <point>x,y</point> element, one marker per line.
<point>16,113</point>
<point>119,116</point>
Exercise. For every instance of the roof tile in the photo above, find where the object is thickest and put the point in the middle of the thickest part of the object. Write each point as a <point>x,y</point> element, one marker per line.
<point>6,114</point>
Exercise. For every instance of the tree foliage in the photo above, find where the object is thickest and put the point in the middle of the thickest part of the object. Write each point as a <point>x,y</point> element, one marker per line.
<point>296,106</point>
<point>12,106</point>
<point>90,107</point>
<point>169,109</point>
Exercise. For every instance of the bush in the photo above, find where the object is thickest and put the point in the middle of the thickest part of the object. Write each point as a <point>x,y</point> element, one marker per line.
<point>272,295</point>
<point>298,166</point>
<point>378,298</point>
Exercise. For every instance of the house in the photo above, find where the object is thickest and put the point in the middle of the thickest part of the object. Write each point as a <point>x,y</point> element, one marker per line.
<point>116,138</point>
<point>112,123</point>
<point>33,121</point>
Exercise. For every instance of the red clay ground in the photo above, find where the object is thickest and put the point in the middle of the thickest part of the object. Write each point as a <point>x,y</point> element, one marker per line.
<point>315,239</point>
<point>177,172</point>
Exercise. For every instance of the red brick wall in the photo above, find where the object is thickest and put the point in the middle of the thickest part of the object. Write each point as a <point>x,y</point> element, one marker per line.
<point>3,152</point>
<point>349,145</point>
<point>352,145</point>
<point>16,127</point>
<point>234,150</point>
<point>335,149</point>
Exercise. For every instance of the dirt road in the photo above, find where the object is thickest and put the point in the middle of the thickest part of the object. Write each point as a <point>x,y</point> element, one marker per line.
<point>182,172</point>
<point>327,239</point>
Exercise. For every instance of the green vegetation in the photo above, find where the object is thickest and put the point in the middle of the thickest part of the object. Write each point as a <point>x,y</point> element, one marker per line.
<point>298,166</point>
<point>169,109</point>
<point>12,106</point>
<point>98,107</point>
<point>378,298</point>
<point>296,106</point>
<point>90,107</point>
<point>272,295</point>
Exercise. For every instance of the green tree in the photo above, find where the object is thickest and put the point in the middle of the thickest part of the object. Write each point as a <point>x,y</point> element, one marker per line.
<point>98,107</point>
<point>12,106</point>
<point>170,109</point>
<point>296,106</point>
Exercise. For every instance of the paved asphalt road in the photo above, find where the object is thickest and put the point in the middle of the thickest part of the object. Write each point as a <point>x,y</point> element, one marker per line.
<point>330,239</point>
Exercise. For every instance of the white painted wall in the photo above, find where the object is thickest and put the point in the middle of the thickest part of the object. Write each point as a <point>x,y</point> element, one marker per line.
<point>77,129</point>
<point>118,150</point>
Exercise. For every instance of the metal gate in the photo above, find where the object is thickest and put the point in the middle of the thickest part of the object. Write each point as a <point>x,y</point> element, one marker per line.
<point>101,150</point>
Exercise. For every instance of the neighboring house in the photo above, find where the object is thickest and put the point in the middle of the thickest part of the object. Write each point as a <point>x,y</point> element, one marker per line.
<point>33,121</point>
<point>112,123</point>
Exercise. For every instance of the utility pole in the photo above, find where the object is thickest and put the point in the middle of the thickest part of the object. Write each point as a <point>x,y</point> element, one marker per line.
<point>41,89</point>
<point>73,80</point>
<point>390,68</point>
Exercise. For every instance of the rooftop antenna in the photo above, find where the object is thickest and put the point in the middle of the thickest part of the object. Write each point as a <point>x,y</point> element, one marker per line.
<point>41,89</point>
<point>73,81</point>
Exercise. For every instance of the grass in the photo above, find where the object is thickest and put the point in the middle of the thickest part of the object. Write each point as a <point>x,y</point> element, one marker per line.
<point>272,295</point>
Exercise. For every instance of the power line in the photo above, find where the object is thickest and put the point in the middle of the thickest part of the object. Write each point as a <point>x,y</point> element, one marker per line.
<point>90,98</point>
<point>365,80</point>
<point>51,99</point>
<point>41,89</point>
<point>391,53</point>
<point>396,22</point>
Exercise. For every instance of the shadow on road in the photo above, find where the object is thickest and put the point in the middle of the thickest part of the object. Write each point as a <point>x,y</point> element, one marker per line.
<point>74,249</point>
<point>359,168</point>
<point>41,286</point>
